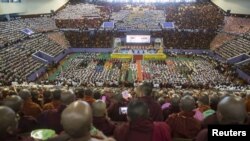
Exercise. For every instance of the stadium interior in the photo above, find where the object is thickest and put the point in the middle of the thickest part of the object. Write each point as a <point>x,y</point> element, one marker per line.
<point>122,70</point>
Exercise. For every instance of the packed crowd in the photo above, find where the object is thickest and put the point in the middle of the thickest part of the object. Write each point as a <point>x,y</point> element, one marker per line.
<point>17,62</point>
<point>181,39</point>
<point>10,32</point>
<point>81,16</point>
<point>124,114</point>
<point>142,19</point>
<point>90,39</point>
<point>195,16</point>
<point>90,70</point>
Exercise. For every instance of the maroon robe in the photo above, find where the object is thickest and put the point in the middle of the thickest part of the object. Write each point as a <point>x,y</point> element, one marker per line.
<point>154,108</point>
<point>104,125</point>
<point>142,130</point>
<point>52,119</point>
<point>184,125</point>
<point>202,136</point>
<point>114,111</point>
<point>212,119</point>
<point>27,124</point>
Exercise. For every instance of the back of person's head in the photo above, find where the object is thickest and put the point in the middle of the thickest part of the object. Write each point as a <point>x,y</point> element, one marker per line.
<point>14,102</point>
<point>187,103</point>
<point>137,110</point>
<point>76,119</point>
<point>97,95</point>
<point>34,94</point>
<point>146,89</point>
<point>25,94</point>
<point>99,108</point>
<point>213,101</point>
<point>88,92</point>
<point>80,93</point>
<point>67,97</point>
<point>8,121</point>
<point>203,99</point>
<point>56,93</point>
<point>5,92</point>
<point>175,100</point>
<point>231,110</point>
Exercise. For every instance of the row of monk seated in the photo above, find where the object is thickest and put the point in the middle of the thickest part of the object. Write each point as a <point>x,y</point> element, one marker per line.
<point>118,114</point>
<point>235,47</point>
<point>17,62</point>
<point>10,32</point>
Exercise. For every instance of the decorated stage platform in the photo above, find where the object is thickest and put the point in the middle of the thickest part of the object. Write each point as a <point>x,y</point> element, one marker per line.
<point>156,56</point>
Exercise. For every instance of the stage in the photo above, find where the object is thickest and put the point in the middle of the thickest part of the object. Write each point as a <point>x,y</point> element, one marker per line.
<point>156,56</point>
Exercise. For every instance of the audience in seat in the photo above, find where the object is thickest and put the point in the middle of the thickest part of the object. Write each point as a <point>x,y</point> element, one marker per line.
<point>55,103</point>
<point>29,107</point>
<point>88,96</point>
<point>51,118</point>
<point>140,126</point>
<point>100,118</point>
<point>25,123</point>
<point>76,120</point>
<point>183,124</point>
<point>8,125</point>
<point>81,16</point>
<point>231,110</point>
<point>144,93</point>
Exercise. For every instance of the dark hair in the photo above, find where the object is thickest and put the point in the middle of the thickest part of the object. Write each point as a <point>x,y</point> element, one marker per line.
<point>97,95</point>
<point>146,88</point>
<point>88,92</point>
<point>80,93</point>
<point>138,110</point>
<point>56,94</point>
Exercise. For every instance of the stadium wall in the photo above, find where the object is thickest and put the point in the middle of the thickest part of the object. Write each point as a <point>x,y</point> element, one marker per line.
<point>32,7</point>
<point>7,8</point>
<point>236,6</point>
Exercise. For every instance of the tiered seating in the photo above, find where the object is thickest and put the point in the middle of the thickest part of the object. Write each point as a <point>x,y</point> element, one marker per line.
<point>101,39</point>
<point>59,38</point>
<point>81,16</point>
<point>138,18</point>
<point>10,32</point>
<point>17,59</point>
<point>194,16</point>
<point>41,24</point>
<point>234,48</point>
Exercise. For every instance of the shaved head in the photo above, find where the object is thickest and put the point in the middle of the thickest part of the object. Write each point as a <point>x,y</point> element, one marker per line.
<point>137,109</point>
<point>231,110</point>
<point>25,94</point>
<point>14,102</point>
<point>67,97</point>
<point>7,120</point>
<point>187,103</point>
<point>99,108</point>
<point>76,119</point>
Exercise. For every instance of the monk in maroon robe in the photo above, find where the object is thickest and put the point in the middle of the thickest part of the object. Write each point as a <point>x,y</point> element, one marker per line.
<point>55,103</point>
<point>144,93</point>
<point>29,107</point>
<point>140,126</point>
<point>100,119</point>
<point>230,110</point>
<point>25,123</point>
<point>8,126</point>
<point>51,118</point>
<point>183,124</point>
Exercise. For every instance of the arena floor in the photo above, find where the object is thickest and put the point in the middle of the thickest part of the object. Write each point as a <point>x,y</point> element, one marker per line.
<point>99,69</point>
